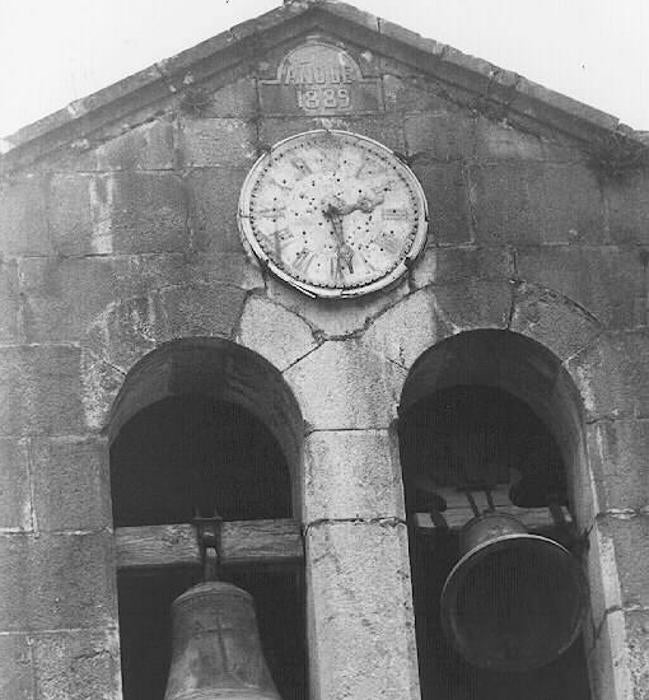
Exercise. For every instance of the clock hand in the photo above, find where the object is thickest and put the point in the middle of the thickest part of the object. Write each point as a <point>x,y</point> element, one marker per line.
<point>344,252</point>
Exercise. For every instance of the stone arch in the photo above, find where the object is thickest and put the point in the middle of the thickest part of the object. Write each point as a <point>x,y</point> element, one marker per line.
<point>553,386</point>
<point>220,369</point>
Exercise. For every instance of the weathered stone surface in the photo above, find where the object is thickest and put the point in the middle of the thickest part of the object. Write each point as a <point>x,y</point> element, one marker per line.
<point>331,318</point>
<point>212,267</point>
<point>274,332</point>
<point>637,631</point>
<point>70,215</point>
<point>101,383</point>
<point>552,320</point>
<point>15,488</point>
<point>455,265</point>
<point>23,217</point>
<point>407,329</point>
<point>16,667</point>
<point>607,281</point>
<point>352,474</point>
<point>476,304</point>
<point>630,534</point>
<point>619,457</point>
<point>150,146</point>
<point>139,212</point>
<point>612,376</point>
<point>536,203</point>
<point>78,665</point>
<point>57,581</point>
<point>274,129</point>
<point>362,622</point>
<point>71,483</point>
<point>440,135</point>
<point>237,99</point>
<point>446,192</point>
<point>201,310</point>
<point>40,390</point>
<point>11,326</point>
<point>413,93</point>
<point>217,142</point>
<point>344,385</point>
<point>62,297</point>
<point>386,128</point>
<point>610,675</point>
<point>628,208</point>
<point>214,194</point>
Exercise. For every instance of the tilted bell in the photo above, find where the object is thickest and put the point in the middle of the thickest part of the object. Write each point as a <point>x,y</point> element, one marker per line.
<point>514,601</point>
<point>216,650</point>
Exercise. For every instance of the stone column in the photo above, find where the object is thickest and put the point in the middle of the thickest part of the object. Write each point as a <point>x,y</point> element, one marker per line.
<point>361,622</point>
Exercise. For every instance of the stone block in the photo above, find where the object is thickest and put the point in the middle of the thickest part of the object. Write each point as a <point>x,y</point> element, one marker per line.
<point>150,146</point>
<point>619,457</point>
<point>385,128</point>
<point>609,671</point>
<point>201,310</point>
<point>101,382</point>
<point>498,141</point>
<point>274,129</point>
<point>407,329</point>
<point>57,581</point>
<point>630,534</point>
<point>139,212</point>
<point>277,334</point>
<point>237,99</point>
<point>214,196</point>
<point>212,267</point>
<point>218,142</point>
<point>40,390</point>
<point>344,385</point>
<point>23,217</point>
<point>414,93</point>
<point>362,640</point>
<point>531,203</point>
<point>446,192</point>
<point>637,645</point>
<point>552,320</point>
<point>11,326</point>
<point>475,304</point>
<point>16,667</point>
<point>440,135</point>
<point>335,318</point>
<point>627,202</point>
<point>352,474</point>
<point>461,265</point>
<point>71,483</point>
<point>15,488</point>
<point>70,215</point>
<point>78,665</point>
<point>612,376</point>
<point>64,297</point>
<point>607,281</point>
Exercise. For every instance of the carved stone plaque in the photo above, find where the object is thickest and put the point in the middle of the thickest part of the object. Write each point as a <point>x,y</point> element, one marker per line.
<point>319,78</point>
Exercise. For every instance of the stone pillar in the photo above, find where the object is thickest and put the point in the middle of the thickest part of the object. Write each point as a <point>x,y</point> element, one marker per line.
<point>361,622</point>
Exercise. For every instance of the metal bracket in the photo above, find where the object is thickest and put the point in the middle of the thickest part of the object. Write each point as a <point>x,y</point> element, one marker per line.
<point>208,531</point>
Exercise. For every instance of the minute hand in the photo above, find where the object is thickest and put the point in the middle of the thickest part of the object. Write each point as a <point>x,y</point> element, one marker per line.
<point>344,251</point>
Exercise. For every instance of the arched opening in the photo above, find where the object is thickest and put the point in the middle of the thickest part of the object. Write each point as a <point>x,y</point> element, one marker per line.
<point>488,419</point>
<point>203,427</point>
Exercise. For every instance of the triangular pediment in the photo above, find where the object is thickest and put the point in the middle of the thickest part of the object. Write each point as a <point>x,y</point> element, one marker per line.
<point>381,66</point>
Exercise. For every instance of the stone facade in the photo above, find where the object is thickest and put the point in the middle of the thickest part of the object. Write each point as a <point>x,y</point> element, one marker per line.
<point>118,235</point>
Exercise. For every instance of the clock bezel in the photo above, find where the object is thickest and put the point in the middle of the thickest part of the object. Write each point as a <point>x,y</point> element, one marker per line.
<point>251,244</point>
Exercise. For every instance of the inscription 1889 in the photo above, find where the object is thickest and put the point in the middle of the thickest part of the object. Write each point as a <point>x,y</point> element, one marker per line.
<point>319,78</point>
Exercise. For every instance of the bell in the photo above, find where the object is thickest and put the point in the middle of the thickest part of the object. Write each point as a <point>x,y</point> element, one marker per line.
<point>216,649</point>
<point>514,601</point>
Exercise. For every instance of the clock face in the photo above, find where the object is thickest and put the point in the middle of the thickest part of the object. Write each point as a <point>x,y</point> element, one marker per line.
<point>333,213</point>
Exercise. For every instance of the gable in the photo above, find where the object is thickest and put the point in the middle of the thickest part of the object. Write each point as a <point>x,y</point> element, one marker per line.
<point>408,71</point>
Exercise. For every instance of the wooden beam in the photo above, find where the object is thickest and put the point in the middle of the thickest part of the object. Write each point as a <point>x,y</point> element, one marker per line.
<point>458,511</point>
<point>242,542</point>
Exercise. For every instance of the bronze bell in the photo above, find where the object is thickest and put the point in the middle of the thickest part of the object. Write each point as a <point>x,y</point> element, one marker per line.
<point>514,601</point>
<point>216,649</point>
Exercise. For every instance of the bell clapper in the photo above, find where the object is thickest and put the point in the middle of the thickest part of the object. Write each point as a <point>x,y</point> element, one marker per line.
<point>208,531</point>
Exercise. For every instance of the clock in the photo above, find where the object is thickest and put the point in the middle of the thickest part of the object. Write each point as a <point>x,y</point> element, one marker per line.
<point>333,213</point>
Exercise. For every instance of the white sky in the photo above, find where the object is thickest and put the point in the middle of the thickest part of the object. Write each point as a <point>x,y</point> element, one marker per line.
<point>55,51</point>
